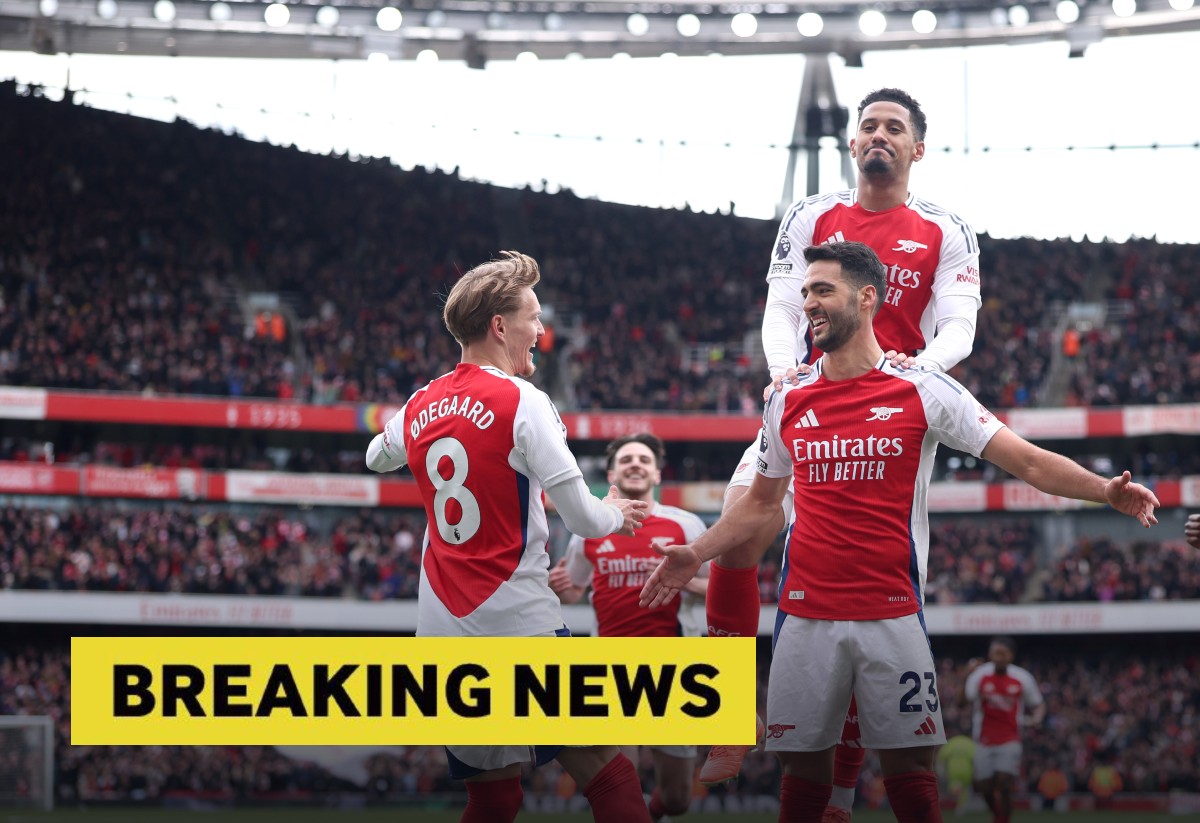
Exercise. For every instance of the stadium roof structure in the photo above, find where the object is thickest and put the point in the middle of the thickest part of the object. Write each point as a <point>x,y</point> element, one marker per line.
<point>479,31</point>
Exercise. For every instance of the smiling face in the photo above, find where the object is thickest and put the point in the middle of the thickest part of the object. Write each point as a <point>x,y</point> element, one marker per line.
<point>831,304</point>
<point>522,328</point>
<point>635,471</point>
<point>885,145</point>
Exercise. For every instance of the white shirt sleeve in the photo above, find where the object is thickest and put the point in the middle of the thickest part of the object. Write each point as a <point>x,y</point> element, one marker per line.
<point>578,566</point>
<point>971,689</point>
<point>773,457</point>
<point>955,416</point>
<point>784,324</point>
<point>583,513</point>
<point>956,297</point>
<point>692,525</point>
<point>541,437</point>
<point>956,315</point>
<point>1030,693</point>
<point>386,451</point>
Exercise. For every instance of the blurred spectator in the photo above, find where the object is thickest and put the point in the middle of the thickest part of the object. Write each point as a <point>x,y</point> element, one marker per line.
<point>371,555</point>
<point>1104,782</point>
<point>1051,785</point>
<point>1099,569</point>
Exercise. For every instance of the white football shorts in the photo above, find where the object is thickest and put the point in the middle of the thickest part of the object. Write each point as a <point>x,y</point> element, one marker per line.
<point>1005,759</point>
<point>886,664</point>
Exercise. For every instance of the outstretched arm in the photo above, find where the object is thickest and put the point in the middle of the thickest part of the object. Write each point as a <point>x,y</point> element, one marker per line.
<point>1054,474</point>
<point>585,515</point>
<point>680,563</point>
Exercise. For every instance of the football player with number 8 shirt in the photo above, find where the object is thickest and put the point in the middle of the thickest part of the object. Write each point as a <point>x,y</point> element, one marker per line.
<point>483,445</point>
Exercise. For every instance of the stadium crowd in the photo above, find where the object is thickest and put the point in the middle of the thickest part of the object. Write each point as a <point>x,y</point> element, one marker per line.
<point>374,555</point>
<point>125,245</point>
<point>1151,353</point>
<point>1102,570</point>
<point>370,555</point>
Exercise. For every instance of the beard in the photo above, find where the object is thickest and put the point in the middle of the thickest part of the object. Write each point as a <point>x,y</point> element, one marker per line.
<point>876,167</point>
<point>838,331</point>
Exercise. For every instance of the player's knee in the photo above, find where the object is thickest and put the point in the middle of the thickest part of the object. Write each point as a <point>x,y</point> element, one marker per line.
<point>585,762</point>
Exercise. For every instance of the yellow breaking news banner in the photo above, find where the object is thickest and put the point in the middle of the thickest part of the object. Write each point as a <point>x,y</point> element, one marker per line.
<point>412,691</point>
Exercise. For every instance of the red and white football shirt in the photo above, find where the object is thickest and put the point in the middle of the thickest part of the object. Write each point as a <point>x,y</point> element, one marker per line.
<point>482,445</point>
<point>616,567</point>
<point>928,253</point>
<point>861,454</point>
<point>999,700</point>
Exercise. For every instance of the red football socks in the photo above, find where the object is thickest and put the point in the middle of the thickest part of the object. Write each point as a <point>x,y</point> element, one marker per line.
<point>732,602</point>
<point>802,801</point>
<point>846,763</point>
<point>914,797</point>
<point>616,795</point>
<point>493,801</point>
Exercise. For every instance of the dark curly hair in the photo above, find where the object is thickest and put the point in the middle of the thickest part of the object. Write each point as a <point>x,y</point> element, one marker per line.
<point>916,117</point>
<point>648,440</point>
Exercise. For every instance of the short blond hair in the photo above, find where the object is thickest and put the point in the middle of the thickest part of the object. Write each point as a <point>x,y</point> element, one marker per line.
<point>487,290</point>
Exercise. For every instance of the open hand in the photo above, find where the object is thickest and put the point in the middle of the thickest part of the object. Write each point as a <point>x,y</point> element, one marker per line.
<point>1132,499</point>
<point>679,566</point>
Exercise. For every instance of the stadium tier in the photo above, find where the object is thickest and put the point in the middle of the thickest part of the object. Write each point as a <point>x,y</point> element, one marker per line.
<point>179,260</point>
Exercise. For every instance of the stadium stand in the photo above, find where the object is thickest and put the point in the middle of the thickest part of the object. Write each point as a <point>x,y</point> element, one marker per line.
<point>164,236</point>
